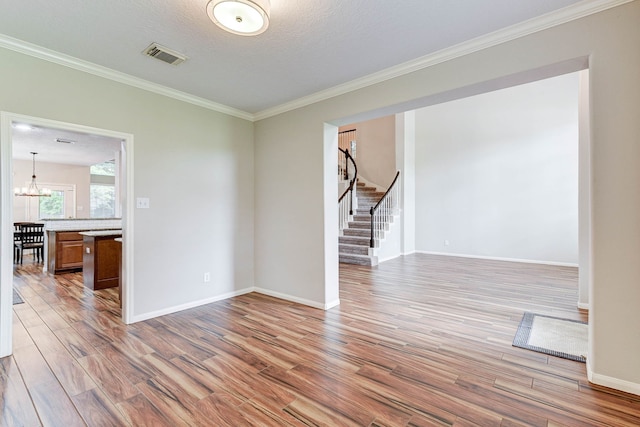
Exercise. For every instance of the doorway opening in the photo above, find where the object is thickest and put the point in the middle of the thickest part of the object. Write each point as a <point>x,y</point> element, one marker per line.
<point>59,153</point>
<point>405,156</point>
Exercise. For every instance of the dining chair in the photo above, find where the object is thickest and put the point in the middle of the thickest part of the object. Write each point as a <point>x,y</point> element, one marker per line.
<point>32,237</point>
<point>16,241</point>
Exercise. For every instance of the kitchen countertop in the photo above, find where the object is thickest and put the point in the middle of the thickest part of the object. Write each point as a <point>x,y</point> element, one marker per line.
<point>101,233</point>
<point>79,219</point>
<point>84,224</point>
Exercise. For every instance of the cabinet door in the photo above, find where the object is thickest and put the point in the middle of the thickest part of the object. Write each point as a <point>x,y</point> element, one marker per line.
<point>69,254</point>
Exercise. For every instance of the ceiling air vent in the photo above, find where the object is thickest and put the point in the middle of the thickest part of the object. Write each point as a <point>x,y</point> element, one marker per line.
<point>164,54</point>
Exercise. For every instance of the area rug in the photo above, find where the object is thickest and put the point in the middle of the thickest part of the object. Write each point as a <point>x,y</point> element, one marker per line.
<point>17,299</point>
<point>554,336</point>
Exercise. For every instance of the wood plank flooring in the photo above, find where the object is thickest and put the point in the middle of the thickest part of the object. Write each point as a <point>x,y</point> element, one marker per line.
<point>417,341</point>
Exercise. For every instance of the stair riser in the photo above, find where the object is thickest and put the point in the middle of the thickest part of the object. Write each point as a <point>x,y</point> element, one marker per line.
<point>384,227</point>
<point>353,260</point>
<point>360,218</point>
<point>363,234</point>
<point>356,232</point>
<point>352,240</point>
<point>365,209</point>
<point>360,241</point>
<point>355,250</point>
<point>360,225</point>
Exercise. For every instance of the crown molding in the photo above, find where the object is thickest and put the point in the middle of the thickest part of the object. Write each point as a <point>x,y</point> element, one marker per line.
<point>36,51</point>
<point>567,14</point>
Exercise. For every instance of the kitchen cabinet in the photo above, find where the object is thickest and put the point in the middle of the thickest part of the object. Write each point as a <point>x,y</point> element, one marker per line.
<point>64,251</point>
<point>101,259</point>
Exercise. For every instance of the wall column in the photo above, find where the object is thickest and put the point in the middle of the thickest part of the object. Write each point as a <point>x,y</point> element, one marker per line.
<point>584,192</point>
<point>405,163</point>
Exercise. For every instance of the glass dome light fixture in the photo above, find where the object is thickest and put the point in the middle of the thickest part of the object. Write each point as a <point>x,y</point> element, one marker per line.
<point>32,190</point>
<point>242,17</point>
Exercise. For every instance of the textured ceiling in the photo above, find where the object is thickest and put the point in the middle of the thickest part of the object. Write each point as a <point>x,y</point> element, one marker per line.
<point>310,46</point>
<point>86,149</point>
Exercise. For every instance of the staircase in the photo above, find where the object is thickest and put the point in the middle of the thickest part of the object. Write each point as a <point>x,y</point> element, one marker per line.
<point>354,243</point>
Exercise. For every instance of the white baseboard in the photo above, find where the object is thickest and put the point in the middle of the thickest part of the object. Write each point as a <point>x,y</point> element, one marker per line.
<point>583,306</point>
<point>193,304</point>
<point>615,383</point>
<point>527,261</point>
<point>303,301</point>
<point>389,258</point>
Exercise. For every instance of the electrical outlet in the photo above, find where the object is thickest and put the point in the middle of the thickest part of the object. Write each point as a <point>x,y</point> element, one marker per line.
<point>446,243</point>
<point>142,203</point>
<point>207,277</point>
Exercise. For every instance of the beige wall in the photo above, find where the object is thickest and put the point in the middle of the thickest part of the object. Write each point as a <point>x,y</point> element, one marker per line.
<point>194,164</point>
<point>51,173</point>
<point>607,42</point>
<point>376,150</point>
<point>197,167</point>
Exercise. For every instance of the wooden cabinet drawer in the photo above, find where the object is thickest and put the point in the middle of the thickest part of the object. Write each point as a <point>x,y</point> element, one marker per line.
<point>68,235</point>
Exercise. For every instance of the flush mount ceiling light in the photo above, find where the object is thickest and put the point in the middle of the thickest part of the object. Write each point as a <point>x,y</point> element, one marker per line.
<point>243,17</point>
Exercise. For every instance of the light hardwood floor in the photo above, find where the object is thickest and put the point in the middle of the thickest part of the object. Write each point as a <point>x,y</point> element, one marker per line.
<point>417,341</point>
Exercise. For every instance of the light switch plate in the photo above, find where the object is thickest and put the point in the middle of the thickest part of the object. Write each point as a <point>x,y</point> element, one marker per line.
<point>142,203</point>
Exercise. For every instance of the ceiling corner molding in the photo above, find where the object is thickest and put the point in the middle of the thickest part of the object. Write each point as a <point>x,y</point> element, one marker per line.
<point>561,16</point>
<point>39,52</point>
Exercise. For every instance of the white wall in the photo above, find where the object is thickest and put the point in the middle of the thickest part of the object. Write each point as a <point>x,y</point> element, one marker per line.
<point>584,195</point>
<point>406,164</point>
<point>375,152</point>
<point>195,165</point>
<point>497,174</point>
<point>51,173</point>
<point>292,247</point>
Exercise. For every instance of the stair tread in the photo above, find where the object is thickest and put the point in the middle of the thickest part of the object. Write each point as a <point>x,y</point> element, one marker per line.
<point>358,256</point>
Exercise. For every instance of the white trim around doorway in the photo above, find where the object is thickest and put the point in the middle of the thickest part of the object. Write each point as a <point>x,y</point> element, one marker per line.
<point>6,214</point>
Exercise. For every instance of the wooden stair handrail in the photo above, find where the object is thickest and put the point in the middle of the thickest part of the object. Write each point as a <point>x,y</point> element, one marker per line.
<point>353,180</point>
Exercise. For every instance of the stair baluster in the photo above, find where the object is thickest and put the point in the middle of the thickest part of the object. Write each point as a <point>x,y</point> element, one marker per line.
<point>385,207</point>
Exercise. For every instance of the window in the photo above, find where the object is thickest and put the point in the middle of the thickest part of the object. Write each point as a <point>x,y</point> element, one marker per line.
<point>107,168</point>
<point>52,207</point>
<point>103,198</point>
<point>103,190</point>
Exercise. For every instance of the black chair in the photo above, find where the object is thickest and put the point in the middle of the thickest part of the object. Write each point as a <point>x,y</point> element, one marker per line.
<point>17,238</point>
<point>31,237</point>
<point>16,241</point>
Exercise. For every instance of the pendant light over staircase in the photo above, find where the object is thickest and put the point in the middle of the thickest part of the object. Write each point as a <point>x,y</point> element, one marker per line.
<point>242,17</point>
<point>32,190</point>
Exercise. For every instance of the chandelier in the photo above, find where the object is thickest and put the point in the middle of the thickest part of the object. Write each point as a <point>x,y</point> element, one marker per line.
<point>32,190</point>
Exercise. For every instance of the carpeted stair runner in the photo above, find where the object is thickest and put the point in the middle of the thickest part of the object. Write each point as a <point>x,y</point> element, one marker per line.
<point>354,243</point>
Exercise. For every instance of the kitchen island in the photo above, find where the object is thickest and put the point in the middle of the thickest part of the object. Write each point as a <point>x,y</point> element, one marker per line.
<point>101,259</point>
<point>63,246</point>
